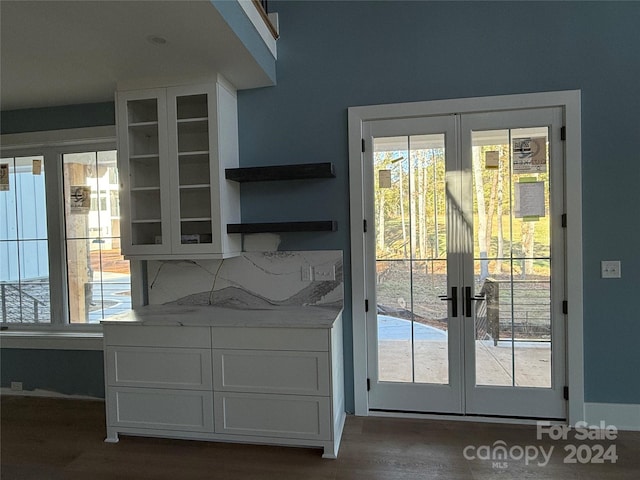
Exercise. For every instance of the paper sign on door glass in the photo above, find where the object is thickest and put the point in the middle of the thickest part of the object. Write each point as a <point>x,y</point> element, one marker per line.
<point>529,199</point>
<point>530,155</point>
<point>384,179</point>
<point>492,159</point>
<point>80,201</point>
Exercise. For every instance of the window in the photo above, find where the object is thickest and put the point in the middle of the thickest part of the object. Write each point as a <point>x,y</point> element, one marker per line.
<point>60,259</point>
<point>24,259</point>
<point>98,276</point>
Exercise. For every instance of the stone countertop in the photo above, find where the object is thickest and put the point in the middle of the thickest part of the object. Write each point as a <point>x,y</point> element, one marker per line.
<point>195,315</point>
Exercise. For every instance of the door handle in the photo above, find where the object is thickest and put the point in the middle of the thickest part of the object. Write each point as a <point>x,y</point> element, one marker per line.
<point>453,299</point>
<point>468,299</point>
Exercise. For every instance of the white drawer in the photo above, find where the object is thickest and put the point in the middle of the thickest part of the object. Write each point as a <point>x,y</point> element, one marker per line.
<point>153,336</point>
<point>259,371</point>
<point>281,416</point>
<point>183,368</point>
<point>251,338</point>
<point>184,410</point>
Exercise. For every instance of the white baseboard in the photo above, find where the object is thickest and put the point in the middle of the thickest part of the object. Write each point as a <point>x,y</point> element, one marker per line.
<point>44,393</point>
<point>624,416</point>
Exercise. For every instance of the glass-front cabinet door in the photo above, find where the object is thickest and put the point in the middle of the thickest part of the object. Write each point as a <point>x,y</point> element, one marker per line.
<point>174,145</point>
<point>142,144</point>
<point>191,165</point>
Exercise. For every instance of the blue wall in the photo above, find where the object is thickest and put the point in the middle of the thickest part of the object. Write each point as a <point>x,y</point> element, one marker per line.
<point>70,372</point>
<point>335,55</point>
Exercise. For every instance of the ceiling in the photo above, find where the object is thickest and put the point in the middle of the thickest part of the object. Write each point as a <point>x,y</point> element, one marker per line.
<point>72,52</point>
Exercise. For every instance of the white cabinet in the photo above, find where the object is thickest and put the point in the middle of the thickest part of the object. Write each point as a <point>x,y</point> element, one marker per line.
<point>149,410</point>
<point>275,385</point>
<point>183,368</point>
<point>158,379</point>
<point>265,371</point>
<point>174,144</point>
<point>274,417</point>
<point>270,385</point>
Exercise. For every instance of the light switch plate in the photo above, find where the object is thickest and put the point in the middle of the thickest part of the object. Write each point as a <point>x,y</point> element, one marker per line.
<point>324,273</point>
<point>307,273</point>
<point>610,268</point>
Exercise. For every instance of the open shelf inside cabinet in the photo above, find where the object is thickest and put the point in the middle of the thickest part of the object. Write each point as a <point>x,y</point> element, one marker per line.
<point>192,106</point>
<point>193,168</point>
<point>143,140</point>
<point>195,202</point>
<point>145,205</point>
<point>144,171</point>
<point>195,230</point>
<point>193,137</point>
<point>142,111</point>
<point>192,123</point>
<point>147,232</point>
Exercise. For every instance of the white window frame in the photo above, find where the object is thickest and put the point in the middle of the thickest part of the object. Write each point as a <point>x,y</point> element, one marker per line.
<point>52,145</point>
<point>570,101</point>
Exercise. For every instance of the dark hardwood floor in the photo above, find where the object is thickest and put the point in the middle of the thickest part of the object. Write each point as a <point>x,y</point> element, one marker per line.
<point>51,439</point>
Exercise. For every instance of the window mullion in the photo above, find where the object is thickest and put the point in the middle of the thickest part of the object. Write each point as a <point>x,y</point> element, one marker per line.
<point>56,234</point>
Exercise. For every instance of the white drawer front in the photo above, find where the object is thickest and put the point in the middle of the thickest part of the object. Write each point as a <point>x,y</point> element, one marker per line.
<point>184,410</point>
<point>141,336</point>
<point>283,416</point>
<point>250,338</point>
<point>304,373</point>
<point>159,367</point>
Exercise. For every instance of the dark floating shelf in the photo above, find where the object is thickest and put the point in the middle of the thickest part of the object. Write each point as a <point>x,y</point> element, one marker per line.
<point>281,172</point>
<point>320,226</point>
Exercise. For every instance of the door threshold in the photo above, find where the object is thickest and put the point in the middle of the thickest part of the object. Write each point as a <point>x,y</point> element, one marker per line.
<point>465,417</point>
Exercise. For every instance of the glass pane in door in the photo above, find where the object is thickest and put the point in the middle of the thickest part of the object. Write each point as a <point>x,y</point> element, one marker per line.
<point>411,266</point>
<point>512,257</point>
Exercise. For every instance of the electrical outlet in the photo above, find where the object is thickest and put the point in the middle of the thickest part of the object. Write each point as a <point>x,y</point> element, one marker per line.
<point>610,269</point>
<point>16,386</point>
<point>324,273</point>
<point>307,273</point>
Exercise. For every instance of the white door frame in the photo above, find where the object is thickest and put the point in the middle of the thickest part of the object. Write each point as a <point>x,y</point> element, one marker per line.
<point>570,102</point>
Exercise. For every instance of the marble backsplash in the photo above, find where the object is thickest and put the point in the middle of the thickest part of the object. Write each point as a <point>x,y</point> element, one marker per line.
<point>253,280</point>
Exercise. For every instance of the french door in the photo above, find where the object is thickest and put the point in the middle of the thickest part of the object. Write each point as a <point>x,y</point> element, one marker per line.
<point>466,264</point>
